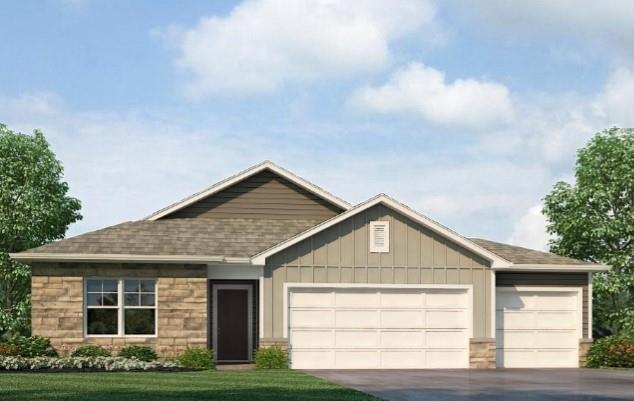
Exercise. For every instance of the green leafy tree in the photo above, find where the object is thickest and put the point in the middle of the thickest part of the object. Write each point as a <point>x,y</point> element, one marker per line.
<point>594,220</point>
<point>34,209</point>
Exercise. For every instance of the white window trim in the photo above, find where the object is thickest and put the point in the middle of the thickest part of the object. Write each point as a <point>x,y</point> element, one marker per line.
<point>289,286</point>
<point>214,320</point>
<point>386,245</point>
<point>120,308</point>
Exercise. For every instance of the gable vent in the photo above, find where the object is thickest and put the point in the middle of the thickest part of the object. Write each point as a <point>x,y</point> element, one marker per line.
<point>380,236</point>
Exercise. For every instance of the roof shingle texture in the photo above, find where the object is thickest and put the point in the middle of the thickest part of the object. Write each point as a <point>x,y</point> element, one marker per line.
<point>520,255</point>
<point>231,237</point>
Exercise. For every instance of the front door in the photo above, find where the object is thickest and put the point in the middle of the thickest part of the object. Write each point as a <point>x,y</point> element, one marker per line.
<point>232,317</point>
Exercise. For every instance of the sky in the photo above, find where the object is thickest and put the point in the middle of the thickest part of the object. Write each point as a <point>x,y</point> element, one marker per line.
<point>468,112</point>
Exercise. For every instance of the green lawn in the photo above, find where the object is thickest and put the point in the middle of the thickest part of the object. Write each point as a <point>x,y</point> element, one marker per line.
<point>149,386</point>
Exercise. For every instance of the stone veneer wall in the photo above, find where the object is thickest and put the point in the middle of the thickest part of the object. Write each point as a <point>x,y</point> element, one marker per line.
<point>273,342</point>
<point>58,304</point>
<point>584,346</point>
<point>482,353</point>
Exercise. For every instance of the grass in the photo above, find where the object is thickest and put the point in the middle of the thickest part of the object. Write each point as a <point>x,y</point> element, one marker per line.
<point>182,386</point>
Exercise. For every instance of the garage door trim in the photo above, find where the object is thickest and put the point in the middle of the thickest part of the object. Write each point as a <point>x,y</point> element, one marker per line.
<point>289,286</point>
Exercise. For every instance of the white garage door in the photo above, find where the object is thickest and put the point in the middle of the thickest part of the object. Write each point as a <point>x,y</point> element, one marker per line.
<point>538,328</point>
<point>379,328</point>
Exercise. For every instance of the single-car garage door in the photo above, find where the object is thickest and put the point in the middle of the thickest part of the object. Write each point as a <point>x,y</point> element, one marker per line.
<point>538,328</point>
<point>379,328</point>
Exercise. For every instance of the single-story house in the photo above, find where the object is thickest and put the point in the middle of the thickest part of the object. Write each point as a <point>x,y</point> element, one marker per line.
<point>267,258</point>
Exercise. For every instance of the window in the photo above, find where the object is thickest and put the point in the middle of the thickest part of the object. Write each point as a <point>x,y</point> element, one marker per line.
<point>380,236</point>
<point>120,307</point>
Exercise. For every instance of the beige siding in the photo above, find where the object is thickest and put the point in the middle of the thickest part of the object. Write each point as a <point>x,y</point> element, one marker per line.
<point>553,280</point>
<point>263,195</point>
<point>340,254</point>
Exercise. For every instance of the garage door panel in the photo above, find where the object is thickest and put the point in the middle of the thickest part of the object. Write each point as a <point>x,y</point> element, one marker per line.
<point>402,339</point>
<point>356,339</point>
<point>440,319</point>
<point>543,333</point>
<point>402,319</point>
<point>312,318</point>
<point>313,338</point>
<point>311,299</point>
<point>357,299</point>
<point>356,318</point>
<point>381,329</point>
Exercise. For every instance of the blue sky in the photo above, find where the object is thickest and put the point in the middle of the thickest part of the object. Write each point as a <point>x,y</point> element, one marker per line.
<point>467,112</point>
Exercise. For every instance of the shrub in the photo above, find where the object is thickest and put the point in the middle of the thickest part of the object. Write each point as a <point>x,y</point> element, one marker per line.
<point>140,352</point>
<point>197,358</point>
<point>30,347</point>
<point>613,352</point>
<point>83,363</point>
<point>271,358</point>
<point>91,351</point>
<point>7,349</point>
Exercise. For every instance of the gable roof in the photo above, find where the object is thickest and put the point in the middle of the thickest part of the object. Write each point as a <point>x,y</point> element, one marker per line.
<point>266,165</point>
<point>495,259</point>
<point>173,240</point>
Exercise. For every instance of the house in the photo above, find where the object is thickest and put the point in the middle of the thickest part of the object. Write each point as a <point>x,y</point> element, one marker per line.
<point>267,258</point>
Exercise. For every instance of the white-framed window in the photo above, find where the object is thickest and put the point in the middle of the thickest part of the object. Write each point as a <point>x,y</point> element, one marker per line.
<point>120,307</point>
<point>380,236</point>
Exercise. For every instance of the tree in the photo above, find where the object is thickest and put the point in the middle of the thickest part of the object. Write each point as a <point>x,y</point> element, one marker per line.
<point>34,209</point>
<point>594,220</point>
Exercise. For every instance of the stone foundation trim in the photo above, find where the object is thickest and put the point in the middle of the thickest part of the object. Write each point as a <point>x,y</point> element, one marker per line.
<point>274,342</point>
<point>584,346</point>
<point>482,353</point>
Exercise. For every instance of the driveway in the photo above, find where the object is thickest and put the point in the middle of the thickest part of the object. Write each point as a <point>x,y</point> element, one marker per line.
<point>488,385</point>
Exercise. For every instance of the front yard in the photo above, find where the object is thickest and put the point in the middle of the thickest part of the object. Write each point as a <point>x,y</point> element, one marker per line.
<point>149,386</point>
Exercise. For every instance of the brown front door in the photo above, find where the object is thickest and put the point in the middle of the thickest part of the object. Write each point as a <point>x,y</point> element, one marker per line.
<point>232,323</point>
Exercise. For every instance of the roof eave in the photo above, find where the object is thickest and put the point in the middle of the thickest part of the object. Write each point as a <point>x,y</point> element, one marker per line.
<point>129,258</point>
<point>553,268</point>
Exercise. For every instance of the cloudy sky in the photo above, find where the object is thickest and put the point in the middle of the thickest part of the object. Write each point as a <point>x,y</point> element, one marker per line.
<point>467,111</point>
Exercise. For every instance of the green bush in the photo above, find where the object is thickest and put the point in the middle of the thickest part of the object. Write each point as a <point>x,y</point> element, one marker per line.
<point>197,358</point>
<point>612,352</point>
<point>30,347</point>
<point>7,349</point>
<point>271,358</point>
<point>140,352</point>
<point>91,351</point>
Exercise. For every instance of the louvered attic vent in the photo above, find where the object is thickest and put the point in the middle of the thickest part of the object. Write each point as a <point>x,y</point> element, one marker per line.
<point>379,236</point>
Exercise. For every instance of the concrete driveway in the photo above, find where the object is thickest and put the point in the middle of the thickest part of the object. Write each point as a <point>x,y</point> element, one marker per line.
<point>488,385</point>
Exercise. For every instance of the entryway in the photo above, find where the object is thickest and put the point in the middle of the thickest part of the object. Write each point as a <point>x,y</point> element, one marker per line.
<point>232,321</point>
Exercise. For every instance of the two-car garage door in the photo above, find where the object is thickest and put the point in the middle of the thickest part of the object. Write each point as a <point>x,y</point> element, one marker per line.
<point>379,328</point>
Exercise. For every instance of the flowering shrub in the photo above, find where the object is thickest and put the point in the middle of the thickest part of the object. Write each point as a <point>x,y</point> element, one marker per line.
<point>613,352</point>
<point>83,363</point>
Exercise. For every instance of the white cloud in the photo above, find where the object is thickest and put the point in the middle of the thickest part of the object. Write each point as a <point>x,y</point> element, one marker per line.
<point>530,230</point>
<point>264,44</point>
<point>604,23</point>
<point>424,91</point>
<point>616,100</point>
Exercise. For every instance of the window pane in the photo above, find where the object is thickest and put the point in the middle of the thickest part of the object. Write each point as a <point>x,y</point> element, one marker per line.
<point>110,286</point>
<point>94,285</point>
<point>139,321</point>
<point>147,285</point>
<point>147,299</point>
<point>102,321</point>
<point>132,286</point>
<point>93,299</point>
<point>110,299</point>
<point>132,299</point>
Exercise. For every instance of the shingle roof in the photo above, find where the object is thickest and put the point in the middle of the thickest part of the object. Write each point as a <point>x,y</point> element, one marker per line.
<point>231,237</point>
<point>520,255</point>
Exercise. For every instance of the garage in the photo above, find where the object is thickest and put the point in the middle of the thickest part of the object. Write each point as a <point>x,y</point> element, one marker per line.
<point>383,327</point>
<point>538,327</point>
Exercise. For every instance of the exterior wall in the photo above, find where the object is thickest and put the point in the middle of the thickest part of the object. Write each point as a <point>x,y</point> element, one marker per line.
<point>482,353</point>
<point>264,195</point>
<point>543,279</point>
<point>58,305</point>
<point>340,254</point>
<point>584,346</point>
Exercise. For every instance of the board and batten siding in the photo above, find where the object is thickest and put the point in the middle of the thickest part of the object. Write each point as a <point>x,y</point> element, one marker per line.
<point>340,254</point>
<point>553,279</point>
<point>263,195</point>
